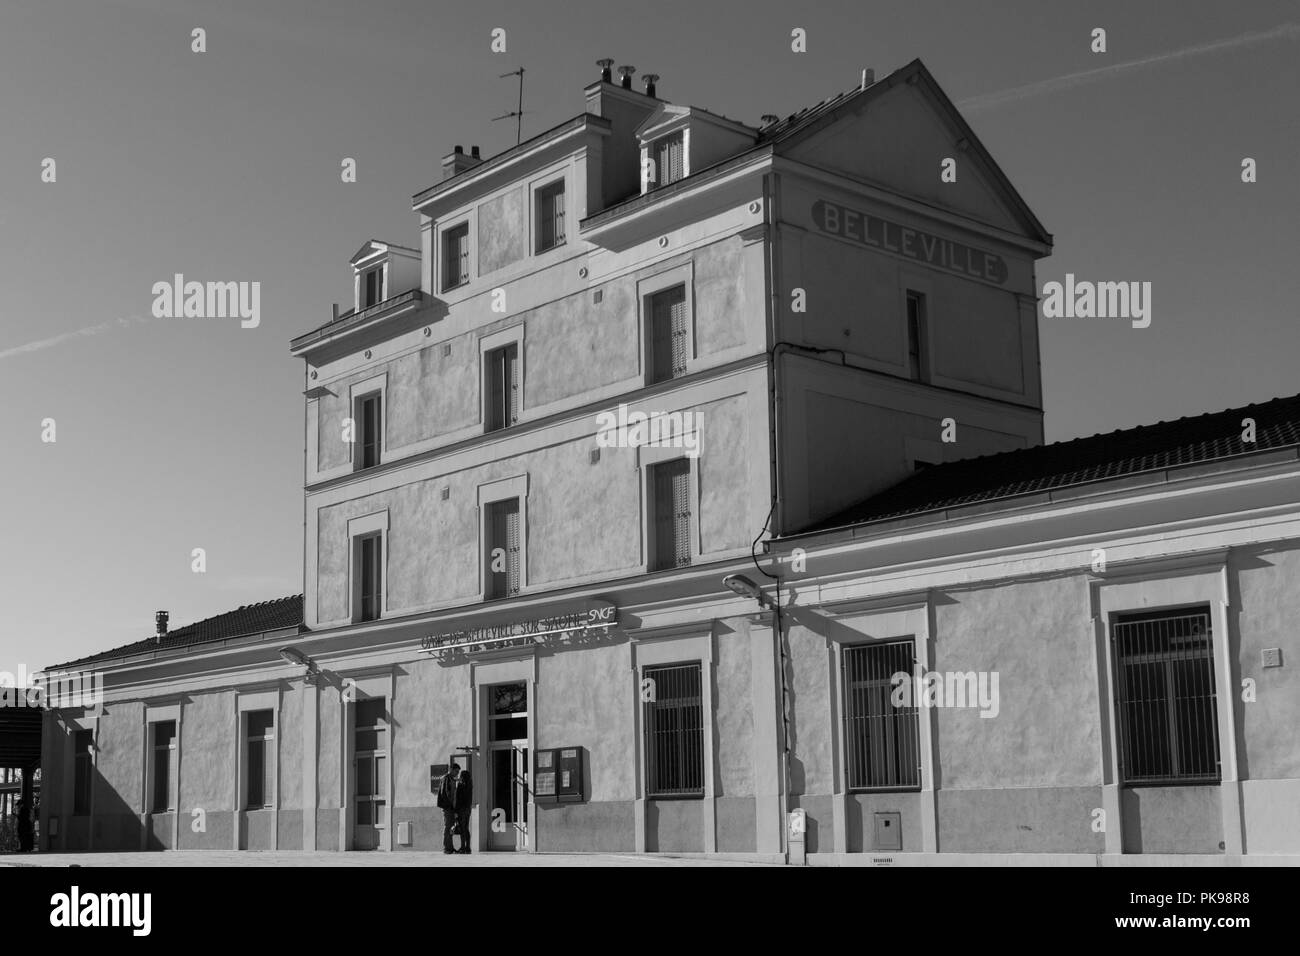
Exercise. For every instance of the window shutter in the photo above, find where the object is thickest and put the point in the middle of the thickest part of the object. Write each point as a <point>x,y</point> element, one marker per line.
<point>557,214</point>
<point>670,344</point>
<point>672,514</point>
<point>512,547</point>
<point>511,377</point>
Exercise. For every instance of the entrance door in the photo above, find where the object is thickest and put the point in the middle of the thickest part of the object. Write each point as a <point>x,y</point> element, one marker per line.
<point>370,774</point>
<point>507,789</point>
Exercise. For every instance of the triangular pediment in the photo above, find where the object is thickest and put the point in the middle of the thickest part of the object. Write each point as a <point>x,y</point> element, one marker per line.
<point>896,134</point>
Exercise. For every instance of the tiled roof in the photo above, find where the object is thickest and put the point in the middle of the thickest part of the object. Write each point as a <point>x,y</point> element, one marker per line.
<point>803,117</point>
<point>273,615</point>
<point>1148,448</point>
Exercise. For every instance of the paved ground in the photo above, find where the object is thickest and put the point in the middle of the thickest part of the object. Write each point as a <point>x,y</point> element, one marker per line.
<point>297,858</point>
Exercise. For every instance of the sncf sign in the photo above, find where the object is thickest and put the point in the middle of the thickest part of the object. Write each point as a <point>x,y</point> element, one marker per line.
<point>857,226</point>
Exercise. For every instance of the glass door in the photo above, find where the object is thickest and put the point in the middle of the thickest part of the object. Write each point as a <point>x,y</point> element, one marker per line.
<point>370,773</point>
<point>507,791</point>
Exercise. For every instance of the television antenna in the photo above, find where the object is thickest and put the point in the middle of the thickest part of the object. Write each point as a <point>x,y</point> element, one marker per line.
<point>518,112</point>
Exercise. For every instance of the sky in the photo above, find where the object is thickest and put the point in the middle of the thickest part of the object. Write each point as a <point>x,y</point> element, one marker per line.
<point>224,165</point>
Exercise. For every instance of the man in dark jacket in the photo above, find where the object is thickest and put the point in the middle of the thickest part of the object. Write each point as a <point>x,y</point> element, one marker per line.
<point>447,804</point>
<point>464,803</point>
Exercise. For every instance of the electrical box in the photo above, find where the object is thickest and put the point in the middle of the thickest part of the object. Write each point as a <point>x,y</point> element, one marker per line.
<point>797,837</point>
<point>889,831</point>
<point>404,833</point>
<point>558,775</point>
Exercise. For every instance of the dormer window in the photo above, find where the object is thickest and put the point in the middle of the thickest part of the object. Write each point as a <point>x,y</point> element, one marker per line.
<point>455,257</point>
<point>669,155</point>
<point>372,292</point>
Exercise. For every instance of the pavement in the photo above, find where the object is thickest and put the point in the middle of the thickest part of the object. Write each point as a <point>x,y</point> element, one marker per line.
<point>422,858</point>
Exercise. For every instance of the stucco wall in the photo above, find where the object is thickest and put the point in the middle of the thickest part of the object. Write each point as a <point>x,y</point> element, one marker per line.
<point>209,734</point>
<point>585,698</point>
<point>733,693</point>
<point>431,708</point>
<point>502,230</point>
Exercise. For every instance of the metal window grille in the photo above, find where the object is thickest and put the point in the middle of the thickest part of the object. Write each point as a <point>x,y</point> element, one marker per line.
<point>550,208</point>
<point>83,744</point>
<point>669,334</point>
<point>503,387</point>
<point>670,159</point>
<point>370,430</point>
<point>671,482</point>
<point>503,536</point>
<point>674,731</point>
<point>882,741</point>
<point>455,263</point>
<point>164,759</point>
<point>371,583</point>
<point>1165,698</point>
<point>261,748</point>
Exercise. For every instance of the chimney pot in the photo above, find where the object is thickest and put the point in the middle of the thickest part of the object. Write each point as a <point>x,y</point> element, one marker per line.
<point>459,149</point>
<point>473,151</point>
<point>625,76</point>
<point>605,67</point>
<point>650,79</point>
<point>160,618</point>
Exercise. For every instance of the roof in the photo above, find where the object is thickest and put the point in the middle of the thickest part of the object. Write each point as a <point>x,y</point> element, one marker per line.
<point>276,615</point>
<point>1194,440</point>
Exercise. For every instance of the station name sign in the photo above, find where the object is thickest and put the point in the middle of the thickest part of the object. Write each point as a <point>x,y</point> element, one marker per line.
<point>857,226</point>
<point>591,617</point>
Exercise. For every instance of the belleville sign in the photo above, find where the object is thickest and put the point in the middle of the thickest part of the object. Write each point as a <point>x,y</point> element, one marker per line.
<point>907,242</point>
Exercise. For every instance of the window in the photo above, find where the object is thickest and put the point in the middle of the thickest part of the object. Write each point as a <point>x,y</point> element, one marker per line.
<point>502,387</point>
<point>374,287</point>
<point>369,423</point>
<point>882,742</point>
<point>369,577</point>
<point>669,334</point>
<point>550,216</point>
<point>261,754</point>
<point>916,360</point>
<point>503,549</point>
<point>670,159</point>
<point>164,765</point>
<point>1165,698</point>
<point>370,749</point>
<point>455,257</point>
<point>674,731</point>
<point>83,750</point>
<point>670,484</point>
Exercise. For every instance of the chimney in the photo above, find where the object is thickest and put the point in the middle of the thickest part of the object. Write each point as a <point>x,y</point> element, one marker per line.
<point>473,153</point>
<point>160,618</point>
<point>625,76</point>
<point>456,162</point>
<point>606,65</point>
<point>649,79</point>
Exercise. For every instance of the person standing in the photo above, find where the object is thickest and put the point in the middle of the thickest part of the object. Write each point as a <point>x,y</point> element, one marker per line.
<point>447,804</point>
<point>464,803</point>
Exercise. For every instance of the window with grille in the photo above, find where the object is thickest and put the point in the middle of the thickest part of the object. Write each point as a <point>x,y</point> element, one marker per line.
<point>670,159</point>
<point>503,548</point>
<point>369,577</point>
<point>1165,698</point>
<point>670,484</point>
<point>369,425</point>
<point>455,257</point>
<point>261,751</point>
<point>916,364</point>
<point>669,334</point>
<point>374,291</point>
<point>164,765</point>
<point>674,731</point>
<point>502,387</point>
<point>550,216</point>
<point>881,740</point>
<point>83,743</point>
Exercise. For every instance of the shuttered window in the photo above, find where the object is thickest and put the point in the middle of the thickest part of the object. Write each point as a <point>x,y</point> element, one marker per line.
<point>503,548</point>
<point>670,159</point>
<point>550,216</point>
<point>455,257</point>
<point>1165,698</point>
<point>674,730</point>
<point>503,387</point>
<point>370,585</point>
<point>669,335</point>
<point>368,423</point>
<point>881,740</point>
<point>671,486</point>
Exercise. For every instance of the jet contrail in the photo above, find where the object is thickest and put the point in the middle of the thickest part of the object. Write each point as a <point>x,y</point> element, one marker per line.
<point>1071,80</point>
<point>66,336</point>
